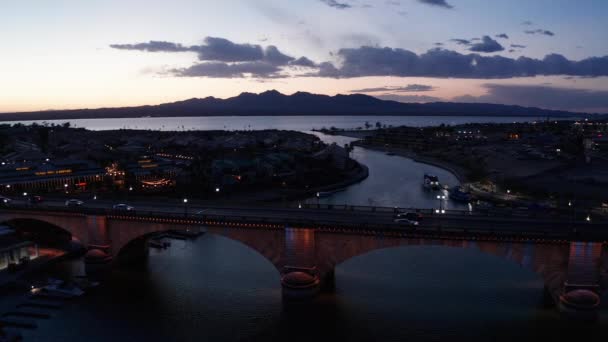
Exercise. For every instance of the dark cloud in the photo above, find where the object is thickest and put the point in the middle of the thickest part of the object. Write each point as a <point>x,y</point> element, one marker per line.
<point>153,46</point>
<point>376,61</point>
<point>303,61</point>
<point>540,31</point>
<point>407,89</point>
<point>461,41</point>
<point>502,35</point>
<point>335,4</point>
<point>273,56</point>
<point>408,98</point>
<point>543,96</point>
<point>527,23</point>
<point>518,46</point>
<point>439,3</point>
<point>230,70</point>
<point>439,44</point>
<point>223,50</point>
<point>217,50</point>
<point>486,45</point>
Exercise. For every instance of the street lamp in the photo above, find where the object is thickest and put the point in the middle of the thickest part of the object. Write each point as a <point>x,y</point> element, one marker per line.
<point>185,207</point>
<point>217,189</point>
<point>588,219</point>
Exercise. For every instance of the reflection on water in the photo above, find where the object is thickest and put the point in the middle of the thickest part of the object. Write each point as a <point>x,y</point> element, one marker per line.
<point>215,289</point>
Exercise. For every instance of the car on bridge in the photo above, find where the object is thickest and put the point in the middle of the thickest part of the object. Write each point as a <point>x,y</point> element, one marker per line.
<point>35,199</point>
<point>412,216</point>
<point>123,207</point>
<point>405,222</point>
<point>74,203</point>
<point>5,201</point>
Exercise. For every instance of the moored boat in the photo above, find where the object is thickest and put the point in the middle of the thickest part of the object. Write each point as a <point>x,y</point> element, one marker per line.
<point>431,182</point>
<point>460,194</point>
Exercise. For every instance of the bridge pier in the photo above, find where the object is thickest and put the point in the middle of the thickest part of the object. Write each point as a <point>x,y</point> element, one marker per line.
<point>300,283</point>
<point>580,298</point>
<point>99,255</point>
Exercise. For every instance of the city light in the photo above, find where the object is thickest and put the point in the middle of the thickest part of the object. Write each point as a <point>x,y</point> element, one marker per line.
<point>185,200</point>
<point>217,189</point>
<point>25,194</point>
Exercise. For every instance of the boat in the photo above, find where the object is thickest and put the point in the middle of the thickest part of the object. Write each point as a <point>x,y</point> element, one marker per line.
<point>431,182</point>
<point>61,287</point>
<point>460,194</point>
<point>328,193</point>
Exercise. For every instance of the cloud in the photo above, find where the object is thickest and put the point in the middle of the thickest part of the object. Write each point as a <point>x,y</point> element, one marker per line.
<point>486,45</point>
<point>335,4</point>
<point>220,49</point>
<point>540,31</point>
<point>518,46</point>
<point>527,23</point>
<point>216,50</point>
<point>408,98</point>
<point>461,41</point>
<point>220,57</point>
<point>437,62</point>
<point>303,61</point>
<point>230,70</point>
<point>273,56</point>
<point>406,89</point>
<point>153,46</point>
<point>502,35</point>
<point>543,96</point>
<point>439,3</point>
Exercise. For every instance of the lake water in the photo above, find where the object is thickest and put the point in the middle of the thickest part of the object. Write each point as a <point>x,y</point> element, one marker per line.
<point>298,123</point>
<point>216,289</point>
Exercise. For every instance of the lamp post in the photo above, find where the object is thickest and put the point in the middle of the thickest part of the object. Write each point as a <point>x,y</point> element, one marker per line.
<point>318,199</point>
<point>186,207</point>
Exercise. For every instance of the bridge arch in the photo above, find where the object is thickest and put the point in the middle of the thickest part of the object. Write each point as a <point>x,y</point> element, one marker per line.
<point>267,243</point>
<point>549,261</point>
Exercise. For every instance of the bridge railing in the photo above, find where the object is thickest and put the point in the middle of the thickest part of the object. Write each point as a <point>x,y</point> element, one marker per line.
<point>571,216</point>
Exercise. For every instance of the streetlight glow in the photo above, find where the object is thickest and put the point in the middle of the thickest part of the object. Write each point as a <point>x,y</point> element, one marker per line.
<point>185,200</point>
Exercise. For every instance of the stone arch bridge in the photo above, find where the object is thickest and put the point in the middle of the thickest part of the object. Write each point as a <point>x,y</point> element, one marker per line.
<point>573,270</point>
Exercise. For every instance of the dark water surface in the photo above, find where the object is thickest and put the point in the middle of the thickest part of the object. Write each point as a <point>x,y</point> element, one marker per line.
<point>216,289</point>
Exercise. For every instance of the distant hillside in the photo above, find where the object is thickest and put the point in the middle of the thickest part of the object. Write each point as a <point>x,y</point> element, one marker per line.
<point>273,103</point>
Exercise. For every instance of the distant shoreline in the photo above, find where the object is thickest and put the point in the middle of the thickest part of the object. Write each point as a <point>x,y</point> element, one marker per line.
<point>12,117</point>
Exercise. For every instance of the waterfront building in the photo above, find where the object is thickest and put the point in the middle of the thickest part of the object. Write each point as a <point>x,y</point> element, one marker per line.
<point>13,250</point>
<point>49,175</point>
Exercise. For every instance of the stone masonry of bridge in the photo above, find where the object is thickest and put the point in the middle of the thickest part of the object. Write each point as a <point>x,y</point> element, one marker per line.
<point>317,251</point>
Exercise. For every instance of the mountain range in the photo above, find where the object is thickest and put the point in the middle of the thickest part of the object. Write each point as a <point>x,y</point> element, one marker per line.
<point>273,103</point>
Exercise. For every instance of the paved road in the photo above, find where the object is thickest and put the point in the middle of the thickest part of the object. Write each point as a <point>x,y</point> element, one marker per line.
<point>463,223</point>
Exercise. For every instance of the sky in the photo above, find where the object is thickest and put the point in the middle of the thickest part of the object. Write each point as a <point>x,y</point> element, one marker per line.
<point>65,54</point>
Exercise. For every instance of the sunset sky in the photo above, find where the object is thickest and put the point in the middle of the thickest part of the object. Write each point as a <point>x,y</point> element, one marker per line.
<point>103,53</point>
